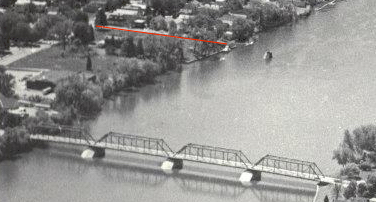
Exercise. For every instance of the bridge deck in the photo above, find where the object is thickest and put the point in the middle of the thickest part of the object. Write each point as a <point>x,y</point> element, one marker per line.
<point>58,139</point>
<point>104,145</point>
<point>235,164</point>
<point>194,158</point>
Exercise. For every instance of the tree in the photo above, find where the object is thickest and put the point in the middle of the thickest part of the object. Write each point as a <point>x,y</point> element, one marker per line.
<point>6,83</point>
<point>365,138</point>
<point>8,22</point>
<point>45,23</point>
<point>351,170</point>
<point>101,18</point>
<point>158,23</point>
<point>88,64</point>
<point>348,140</point>
<point>7,3</point>
<point>13,141</point>
<point>362,188</point>
<point>62,30</point>
<point>371,183</point>
<point>84,97</point>
<point>242,29</point>
<point>140,48</point>
<point>128,47</point>
<point>350,190</point>
<point>172,28</point>
<point>343,155</point>
<point>80,16</point>
<point>21,32</point>
<point>83,32</point>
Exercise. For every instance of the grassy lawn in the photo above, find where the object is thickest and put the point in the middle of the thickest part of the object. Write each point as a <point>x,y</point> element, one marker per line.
<point>52,59</point>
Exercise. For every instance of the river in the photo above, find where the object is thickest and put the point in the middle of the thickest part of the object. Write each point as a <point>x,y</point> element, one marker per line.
<point>320,82</point>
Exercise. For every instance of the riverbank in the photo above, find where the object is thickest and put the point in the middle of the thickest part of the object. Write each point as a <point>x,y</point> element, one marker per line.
<point>115,72</point>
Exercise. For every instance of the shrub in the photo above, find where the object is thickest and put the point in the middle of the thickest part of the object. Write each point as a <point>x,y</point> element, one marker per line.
<point>365,166</point>
<point>351,171</point>
<point>13,141</point>
<point>350,190</point>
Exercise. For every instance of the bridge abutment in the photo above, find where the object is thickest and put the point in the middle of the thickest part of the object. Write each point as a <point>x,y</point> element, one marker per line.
<point>172,164</point>
<point>93,152</point>
<point>250,175</point>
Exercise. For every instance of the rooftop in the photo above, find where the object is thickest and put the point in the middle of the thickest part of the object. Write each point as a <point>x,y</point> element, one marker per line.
<point>24,2</point>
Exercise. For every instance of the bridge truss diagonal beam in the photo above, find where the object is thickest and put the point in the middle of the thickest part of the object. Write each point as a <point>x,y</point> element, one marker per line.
<point>213,155</point>
<point>68,133</point>
<point>135,143</point>
<point>289,167</point>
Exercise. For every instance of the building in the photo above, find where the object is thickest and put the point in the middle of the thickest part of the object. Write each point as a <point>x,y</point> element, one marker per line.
<point>41,6</point>
<point>124,16</point>
<point>139,23</point>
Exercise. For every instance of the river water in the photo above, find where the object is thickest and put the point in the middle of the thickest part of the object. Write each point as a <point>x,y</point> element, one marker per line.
<point>320,82</point>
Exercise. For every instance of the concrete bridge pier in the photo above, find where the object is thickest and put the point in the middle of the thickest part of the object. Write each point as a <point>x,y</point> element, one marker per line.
<point>250,175</point>
<point>323,190</point>
<point>172,164</point>
<point>93,152</point>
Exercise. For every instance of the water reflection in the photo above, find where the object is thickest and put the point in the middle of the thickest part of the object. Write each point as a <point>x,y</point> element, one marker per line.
<point>126,102</point>
<point>145,172</point>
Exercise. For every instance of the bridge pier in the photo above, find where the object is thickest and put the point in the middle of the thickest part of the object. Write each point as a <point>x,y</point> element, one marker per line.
<point>250,175</point>
<point>172,164</point>
<point>93,152</point>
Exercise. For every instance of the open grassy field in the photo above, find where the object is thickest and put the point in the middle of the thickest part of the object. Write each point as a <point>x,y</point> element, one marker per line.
<point>52,59</point>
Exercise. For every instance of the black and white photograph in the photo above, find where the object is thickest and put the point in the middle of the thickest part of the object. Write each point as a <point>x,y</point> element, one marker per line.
<point>187,101</point>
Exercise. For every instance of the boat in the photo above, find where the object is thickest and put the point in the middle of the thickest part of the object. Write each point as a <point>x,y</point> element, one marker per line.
<point>250,42</point>
<point>268,55</point>
<point>222,59</point>
<point>226,49</point>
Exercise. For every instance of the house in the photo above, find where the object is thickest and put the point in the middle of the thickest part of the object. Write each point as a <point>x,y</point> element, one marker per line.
<point>239,15</point>
<point>124,16</point>
<point>40,6</point>
<point>228,19</point>
<point>229,35</point>
<point>139,23</point>
<point>211,6</point>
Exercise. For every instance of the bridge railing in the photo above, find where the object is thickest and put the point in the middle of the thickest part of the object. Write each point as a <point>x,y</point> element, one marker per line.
<point>213,155</point>
<point>289,167</point>
<point>191,152</point>
<point>135,143</point>
<point>69,133</point>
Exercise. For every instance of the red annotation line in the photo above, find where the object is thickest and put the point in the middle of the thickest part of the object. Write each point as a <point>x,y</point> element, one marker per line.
<point>128,30</point>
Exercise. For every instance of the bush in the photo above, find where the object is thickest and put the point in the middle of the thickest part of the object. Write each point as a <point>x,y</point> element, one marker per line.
<point>365,166</point>
<point>13,141</point>
<point>351,171</point>
<point>84,97</point>
<point>158,23</point>
<point>362,189</point>
<point>350,190</point>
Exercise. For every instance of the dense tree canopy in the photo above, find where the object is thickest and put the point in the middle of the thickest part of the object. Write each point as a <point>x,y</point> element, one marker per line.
<point>101,18</point>
<point>85,97</point>
<point>242,29</point>
<point>83,32</point>
<point>158,23</point>
<point>6,83</point>
<point>62,30</point>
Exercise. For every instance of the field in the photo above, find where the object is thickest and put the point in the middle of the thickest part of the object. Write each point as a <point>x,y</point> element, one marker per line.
<point>52,59</point>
